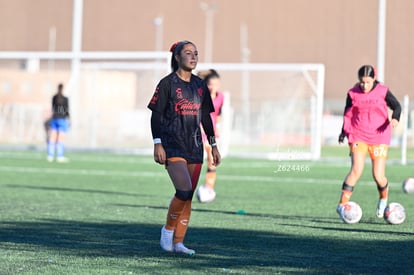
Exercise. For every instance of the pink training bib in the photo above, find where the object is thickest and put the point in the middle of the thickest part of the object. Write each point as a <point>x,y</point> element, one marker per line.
<point>367,119</point>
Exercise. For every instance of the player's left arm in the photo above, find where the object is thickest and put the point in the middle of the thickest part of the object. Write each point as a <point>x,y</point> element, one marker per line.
<point>219,114</point>
<point>218,122</point>
<point>207,124</point>
<point>67,114</point>
<point>395,106</point>
<point>206,108</point>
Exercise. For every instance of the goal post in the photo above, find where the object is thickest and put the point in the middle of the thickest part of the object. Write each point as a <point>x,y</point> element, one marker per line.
<point>103,98</point>
<point>405,120</point>
<point>271,111</point>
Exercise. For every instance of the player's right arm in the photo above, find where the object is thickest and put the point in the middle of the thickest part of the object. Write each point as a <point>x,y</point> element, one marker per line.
<point>157,105</point>
<point>348,105</point>
<point>159,152</point>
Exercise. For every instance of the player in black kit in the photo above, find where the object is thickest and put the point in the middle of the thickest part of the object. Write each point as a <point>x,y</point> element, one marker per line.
<point>59,125</point>
<point>180,103</point>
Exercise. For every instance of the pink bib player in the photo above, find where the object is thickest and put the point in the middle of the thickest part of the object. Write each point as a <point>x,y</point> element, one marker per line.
<point>367,119</point>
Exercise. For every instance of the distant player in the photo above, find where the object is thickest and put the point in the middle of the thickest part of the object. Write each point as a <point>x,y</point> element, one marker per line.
<point>368,130</point>
<point>59,124</point>
<point>180,104</point>
<point>212,78</point>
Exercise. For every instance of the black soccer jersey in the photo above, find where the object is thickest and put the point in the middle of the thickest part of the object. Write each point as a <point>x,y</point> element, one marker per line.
<point>181,105</point>
<point>60,106</point>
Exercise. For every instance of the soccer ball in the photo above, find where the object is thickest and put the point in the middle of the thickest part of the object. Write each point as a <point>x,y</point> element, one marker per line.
<point>408,185</point>
<point>205,194</point>
<point>351,212</point>
<point>394,213</point>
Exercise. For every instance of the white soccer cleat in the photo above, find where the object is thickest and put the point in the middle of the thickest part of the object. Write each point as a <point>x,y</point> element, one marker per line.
<point>382,203</point>
<point>62,159</point>
<point>180,248</point>
<point>166,241</point>
<point>339,210</point>
<point>50,159</point>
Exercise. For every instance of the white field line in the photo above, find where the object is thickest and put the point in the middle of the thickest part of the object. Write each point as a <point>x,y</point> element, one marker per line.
<point>146,159</point>
<point>85,172</point>
<point>231,178</point>
<point>97,158</point>
<point>119,158</point>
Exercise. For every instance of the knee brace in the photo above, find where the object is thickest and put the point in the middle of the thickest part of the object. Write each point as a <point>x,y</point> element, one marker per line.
<point>383,187</point>
<point>347,187</point>
<point>184,195</point>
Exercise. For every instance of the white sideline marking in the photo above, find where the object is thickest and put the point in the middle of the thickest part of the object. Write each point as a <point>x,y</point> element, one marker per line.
<point>87,172</point>
<point>96,158</point>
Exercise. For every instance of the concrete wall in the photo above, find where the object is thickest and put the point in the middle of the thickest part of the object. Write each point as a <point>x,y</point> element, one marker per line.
<point>342,34</point>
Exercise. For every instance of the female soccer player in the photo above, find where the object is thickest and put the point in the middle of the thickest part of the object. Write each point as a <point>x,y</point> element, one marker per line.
<point>212,78</point>
<point>181,102</point>
<point>59,125</point>
<point>368,130</point>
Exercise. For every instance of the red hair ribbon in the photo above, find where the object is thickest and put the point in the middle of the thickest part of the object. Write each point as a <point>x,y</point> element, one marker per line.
<point>173,46</point>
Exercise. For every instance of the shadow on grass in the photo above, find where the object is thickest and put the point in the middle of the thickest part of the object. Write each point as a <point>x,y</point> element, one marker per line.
<point>227,249</point>
<point>226,212</point>
<point>65,189</point>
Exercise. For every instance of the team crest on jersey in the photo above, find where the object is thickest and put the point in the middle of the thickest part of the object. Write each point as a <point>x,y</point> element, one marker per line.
<point>179,93</point>
<point>200,91</point>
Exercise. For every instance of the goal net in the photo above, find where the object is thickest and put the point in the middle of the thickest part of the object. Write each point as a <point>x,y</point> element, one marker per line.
<point>275,110</point>
<point>271,110</point>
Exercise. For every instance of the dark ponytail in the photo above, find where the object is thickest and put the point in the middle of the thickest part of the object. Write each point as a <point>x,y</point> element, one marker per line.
<point>59,95</point>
